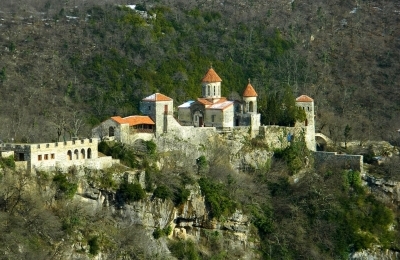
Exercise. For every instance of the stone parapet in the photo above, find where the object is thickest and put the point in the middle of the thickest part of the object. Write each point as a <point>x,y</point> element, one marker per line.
<point>341,161</point>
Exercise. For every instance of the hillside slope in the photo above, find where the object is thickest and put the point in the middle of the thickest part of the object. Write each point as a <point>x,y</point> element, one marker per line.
<point>65,67</point>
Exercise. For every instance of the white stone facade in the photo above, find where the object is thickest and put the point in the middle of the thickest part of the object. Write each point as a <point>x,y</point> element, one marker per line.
<point>59,155</point>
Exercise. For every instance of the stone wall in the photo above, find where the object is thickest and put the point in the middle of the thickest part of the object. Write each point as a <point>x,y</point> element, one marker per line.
<point>59,155</point>
<point>102,131</point>
<point>339,161</point>
<point>277,136</point>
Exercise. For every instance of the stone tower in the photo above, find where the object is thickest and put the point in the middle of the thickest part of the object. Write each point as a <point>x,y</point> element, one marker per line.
<point>250,99</point>
<point>307,104</point>
<point>160,108</point>
<point>211,85</point>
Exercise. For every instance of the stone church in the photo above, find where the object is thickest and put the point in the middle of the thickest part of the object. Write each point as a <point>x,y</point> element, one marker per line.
<point>212,110</point>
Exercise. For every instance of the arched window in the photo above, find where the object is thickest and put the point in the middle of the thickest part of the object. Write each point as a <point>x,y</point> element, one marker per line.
<point>76,152</point>
<point>83,153</point>
<point>69,155</point>
<point>306,122</point>
<point>208,90</point>
<point>237,108</point>
<point>111,131</point>
<point>251,106</point>
<point>89,153</point>
<point>214,90</point>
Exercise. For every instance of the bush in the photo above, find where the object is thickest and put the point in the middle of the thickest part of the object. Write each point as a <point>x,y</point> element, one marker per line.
<point>65,189</point>
<point>181,195</point>
<point>162,232</point>
<point>8,162</point>
<point>217,198</point>
<point>94,245</point>
<point>184,250</point>
<point>151,147</point>
<point>201,164</point>
<point>128,192</point>
<point>162,192</point>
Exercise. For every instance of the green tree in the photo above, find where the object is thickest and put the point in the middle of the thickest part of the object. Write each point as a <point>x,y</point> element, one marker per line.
<point>129,192</point>
<point>346,134</point>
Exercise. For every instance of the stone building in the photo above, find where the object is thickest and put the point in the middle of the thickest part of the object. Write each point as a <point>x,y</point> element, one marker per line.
<point>246,112</point>
<point>157,119</point>
<point>126,129</point>
<point>307,104</point>
<point>212,110</point>
<point>160,109</point>
<point>57,156</point>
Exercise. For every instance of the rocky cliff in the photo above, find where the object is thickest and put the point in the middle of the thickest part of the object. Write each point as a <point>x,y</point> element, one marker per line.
<point>189,220</point>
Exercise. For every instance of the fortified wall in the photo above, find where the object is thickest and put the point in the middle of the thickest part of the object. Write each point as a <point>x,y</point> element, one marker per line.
<point>341,161</point>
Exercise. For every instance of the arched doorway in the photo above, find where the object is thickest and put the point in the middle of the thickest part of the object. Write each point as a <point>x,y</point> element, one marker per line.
<point>198,119</point>
<point>111,131</point>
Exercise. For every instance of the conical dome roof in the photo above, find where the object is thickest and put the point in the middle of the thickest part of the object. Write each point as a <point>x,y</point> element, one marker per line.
<point>211,76</point>
<point>304,98</point>
<point>249,91</point>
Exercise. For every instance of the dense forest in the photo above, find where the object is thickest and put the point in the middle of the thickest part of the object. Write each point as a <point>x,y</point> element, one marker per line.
<point>67,65</point>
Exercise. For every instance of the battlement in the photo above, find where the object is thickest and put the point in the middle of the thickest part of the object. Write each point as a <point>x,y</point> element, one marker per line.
<point>37,147</point>
<point>67,144</point>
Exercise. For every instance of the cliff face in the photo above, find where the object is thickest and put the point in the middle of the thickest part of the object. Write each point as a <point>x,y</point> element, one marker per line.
<point>190,220</point>
<point>387,191</point>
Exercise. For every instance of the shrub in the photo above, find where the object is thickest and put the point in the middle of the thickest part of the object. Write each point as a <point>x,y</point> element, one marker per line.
<point>201,164</point>
<point>128,192</point>
<point>181,195</point>
<point>151,147</point>
<point>217,198</point>
<point>162,192</point>
<point>65,189</point>
<point>8,162</point>
<point>157,233</point>
<point>107,181</point>
<point>184,250</point>
<point>262,219</point>
<point>94,245</point>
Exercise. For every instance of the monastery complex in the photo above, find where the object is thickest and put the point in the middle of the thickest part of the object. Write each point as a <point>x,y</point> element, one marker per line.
<point>194,122</point>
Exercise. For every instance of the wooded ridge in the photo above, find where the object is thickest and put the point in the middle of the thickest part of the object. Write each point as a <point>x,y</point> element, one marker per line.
<point>66,66</point>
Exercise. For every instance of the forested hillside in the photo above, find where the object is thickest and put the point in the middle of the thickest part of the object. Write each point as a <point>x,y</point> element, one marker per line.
<point>67,65</point>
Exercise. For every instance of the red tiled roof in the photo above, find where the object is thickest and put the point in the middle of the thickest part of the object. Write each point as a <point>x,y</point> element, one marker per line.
<point>249,91</point>
<point>211,76</point>
<point>157,97</point>
<point>304,98</point>
<point>208,101</point>
<point>220,105</point>
<point>133,120</point>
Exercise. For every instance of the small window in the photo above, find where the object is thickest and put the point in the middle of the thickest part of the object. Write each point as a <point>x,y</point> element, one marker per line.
<point>46,156</point>
<point>213,118</point>
<point>149,108</point>
<point>111,131</point>
<point>52,156</point>
<point>39,157</point>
